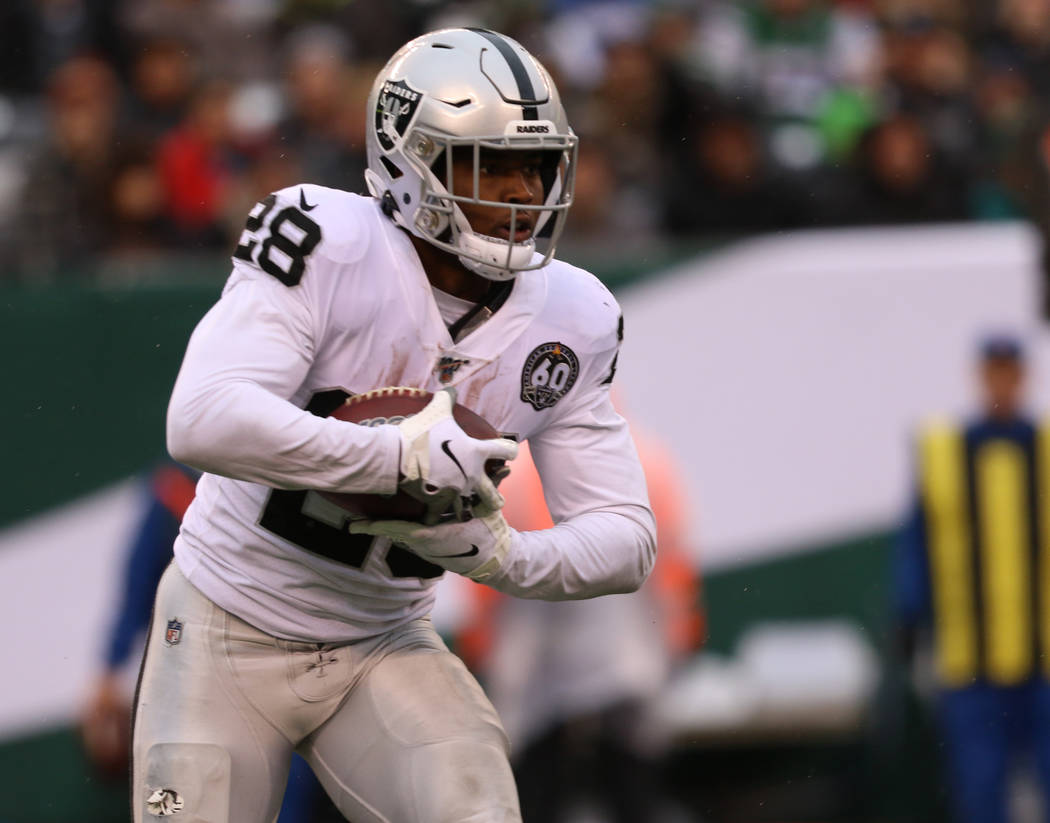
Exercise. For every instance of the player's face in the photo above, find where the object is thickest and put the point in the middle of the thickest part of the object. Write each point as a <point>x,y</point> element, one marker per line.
<point>1003,383</point>
<point>503,177</point>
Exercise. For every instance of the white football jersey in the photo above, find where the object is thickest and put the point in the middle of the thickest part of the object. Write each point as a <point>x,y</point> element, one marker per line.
<point>328,298</point>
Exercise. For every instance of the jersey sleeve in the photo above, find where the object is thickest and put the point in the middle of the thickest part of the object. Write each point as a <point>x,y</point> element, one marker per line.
<point>604,537</point>
<point>231,412</point>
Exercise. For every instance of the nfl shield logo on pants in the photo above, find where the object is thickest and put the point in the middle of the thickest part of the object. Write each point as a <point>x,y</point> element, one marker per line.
<point>174,633</point>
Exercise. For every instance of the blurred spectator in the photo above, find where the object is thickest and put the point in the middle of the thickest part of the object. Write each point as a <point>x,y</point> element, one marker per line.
<point>959,14</point>
<point>139,224</point>
<point>623,116</point>
<point>272,168</point>
<point>580,32</point>
<point>196,166</point>
<point>325,125</point>
<point>787,58</point>
<point>723,183</point>
<point>163,76</point>
<point>703,120</point>
<point>573,681</point>
<point>1021,38</point>
<point>38,36</point>
<point>232,40</point>
<point>930,68</point>
<point>903,178</point>
<point>1011,99</point>
<point>18,71</point>
<point>969,572</point>
<point>376,30</point>
<point>591,222</point>
<point>59,224</point>
<point>1007,170</point>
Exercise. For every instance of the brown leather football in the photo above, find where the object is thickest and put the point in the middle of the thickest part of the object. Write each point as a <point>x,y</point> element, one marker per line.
<point>393,404</point>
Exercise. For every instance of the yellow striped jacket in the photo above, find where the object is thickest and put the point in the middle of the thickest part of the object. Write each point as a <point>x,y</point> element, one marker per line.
<point>986,530</point>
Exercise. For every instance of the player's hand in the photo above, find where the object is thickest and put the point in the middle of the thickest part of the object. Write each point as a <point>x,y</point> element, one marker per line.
<point>105,726</point>
<point>442,465</point>
<point>475,548</point>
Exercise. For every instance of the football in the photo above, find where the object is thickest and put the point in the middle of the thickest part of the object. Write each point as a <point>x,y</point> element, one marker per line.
<point>391,405</point>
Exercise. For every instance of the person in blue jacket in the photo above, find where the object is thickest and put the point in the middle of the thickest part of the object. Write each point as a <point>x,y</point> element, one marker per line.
<point>972,575</point>
<point>105,724</point>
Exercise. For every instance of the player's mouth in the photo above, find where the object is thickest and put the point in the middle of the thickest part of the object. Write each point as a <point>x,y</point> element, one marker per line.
<point>522,229</point>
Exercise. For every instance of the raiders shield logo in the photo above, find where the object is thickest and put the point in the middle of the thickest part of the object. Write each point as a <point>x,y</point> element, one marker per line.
<point>395,109</point>
<point>549,373</point>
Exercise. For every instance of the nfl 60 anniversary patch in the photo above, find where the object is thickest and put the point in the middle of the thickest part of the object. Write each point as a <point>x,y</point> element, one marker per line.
<point>549,372</point>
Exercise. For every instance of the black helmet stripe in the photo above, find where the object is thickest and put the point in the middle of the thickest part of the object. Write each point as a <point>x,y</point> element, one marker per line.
<point>517,68</point>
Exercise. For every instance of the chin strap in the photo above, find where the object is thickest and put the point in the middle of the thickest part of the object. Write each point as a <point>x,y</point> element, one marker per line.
<point>496,296</point>
<point>475,243</point>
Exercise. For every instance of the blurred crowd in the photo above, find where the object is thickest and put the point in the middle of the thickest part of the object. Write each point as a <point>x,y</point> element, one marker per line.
<point>131,129</point>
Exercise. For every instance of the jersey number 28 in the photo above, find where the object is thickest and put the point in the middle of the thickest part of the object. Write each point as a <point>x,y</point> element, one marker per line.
<point>279,245</point>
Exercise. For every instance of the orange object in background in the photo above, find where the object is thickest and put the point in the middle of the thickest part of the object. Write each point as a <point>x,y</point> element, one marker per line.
<point>675,579</point>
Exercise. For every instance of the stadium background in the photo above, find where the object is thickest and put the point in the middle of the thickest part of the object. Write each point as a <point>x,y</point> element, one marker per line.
<point>809,210</point>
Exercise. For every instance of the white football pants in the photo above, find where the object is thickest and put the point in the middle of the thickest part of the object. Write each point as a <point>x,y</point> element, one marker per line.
<point>395,727</point>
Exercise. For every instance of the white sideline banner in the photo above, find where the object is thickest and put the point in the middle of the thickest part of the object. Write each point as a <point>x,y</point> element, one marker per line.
<point>793,369</point>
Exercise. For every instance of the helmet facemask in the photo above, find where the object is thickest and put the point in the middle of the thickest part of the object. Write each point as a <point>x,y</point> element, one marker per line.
<point>468,93</point>
<point>440,220</point>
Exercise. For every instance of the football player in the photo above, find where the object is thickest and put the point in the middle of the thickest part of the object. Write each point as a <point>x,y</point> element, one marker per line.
<point>284,626</point>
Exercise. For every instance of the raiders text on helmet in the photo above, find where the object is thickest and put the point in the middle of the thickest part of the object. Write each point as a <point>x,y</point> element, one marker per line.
<point>478,89</point>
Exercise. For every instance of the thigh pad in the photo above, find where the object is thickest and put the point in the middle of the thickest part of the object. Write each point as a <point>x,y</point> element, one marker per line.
<point>190,780</point>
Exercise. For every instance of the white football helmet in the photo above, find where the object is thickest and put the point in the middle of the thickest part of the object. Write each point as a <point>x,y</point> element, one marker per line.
<point>474,88</point>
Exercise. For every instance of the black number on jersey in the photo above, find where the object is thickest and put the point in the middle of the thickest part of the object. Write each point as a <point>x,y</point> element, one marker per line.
<point>619,339</point>
<point>404,563</point>
<point>291,233</point>
<point>248,241</point>
<point>284,516</point>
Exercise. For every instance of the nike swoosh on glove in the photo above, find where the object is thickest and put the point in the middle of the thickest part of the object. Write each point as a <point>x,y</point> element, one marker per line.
<point>475,548</point>
<point>442,465</point>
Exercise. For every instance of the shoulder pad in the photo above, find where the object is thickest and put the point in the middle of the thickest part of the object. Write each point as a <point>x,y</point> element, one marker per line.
<point>343,218</point>
<point>305,223</point>
<point>585,303</point>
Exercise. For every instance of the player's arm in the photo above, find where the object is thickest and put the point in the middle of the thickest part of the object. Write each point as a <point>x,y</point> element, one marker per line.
<point>605,538</point>
<point>230,412</point>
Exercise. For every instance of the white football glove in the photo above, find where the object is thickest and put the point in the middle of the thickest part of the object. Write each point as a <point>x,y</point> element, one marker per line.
<point>442,465</point>
<point>475,548</point>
